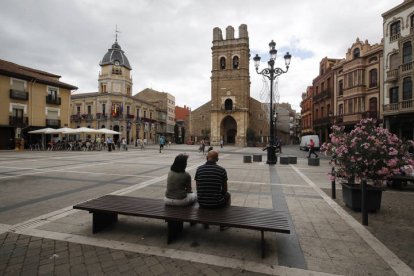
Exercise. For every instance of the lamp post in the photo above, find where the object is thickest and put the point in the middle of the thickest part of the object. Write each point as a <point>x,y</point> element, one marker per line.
<point>271,73</point>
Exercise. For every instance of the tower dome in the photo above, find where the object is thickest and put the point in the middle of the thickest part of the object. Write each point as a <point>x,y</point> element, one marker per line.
<point>115,56</point>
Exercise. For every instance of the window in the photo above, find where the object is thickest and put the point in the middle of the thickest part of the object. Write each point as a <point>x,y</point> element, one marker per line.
<point>407,89</point>
<point>18,112</point>
<point>145,114</point>
<point>393,95</point>
<point>52,93</point>
<point>128,108</point>
<point>103,88</point>
<point>341,109</point>
<point>89,110</point>
<point>357,53</point>
<point>341,87</point>
<point>151,115</point>
<point>18,85</point>
<point>138,113</point>
<point>412,21</point>
<point>395,30</point>
<point>78,110</point>
<point>407,52</point>
<point>228,104</point>
<point>222,63</point>
<point>373,78</point>
<point>394,62</point>
<point>350,107</point>
<point>103,109</point>
<point>236,62</point>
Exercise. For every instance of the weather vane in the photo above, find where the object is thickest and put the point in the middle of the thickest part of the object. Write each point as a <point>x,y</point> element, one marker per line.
<point>116,32</point>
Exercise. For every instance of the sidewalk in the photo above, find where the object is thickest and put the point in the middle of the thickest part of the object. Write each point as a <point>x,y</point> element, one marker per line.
<point>325,239</point>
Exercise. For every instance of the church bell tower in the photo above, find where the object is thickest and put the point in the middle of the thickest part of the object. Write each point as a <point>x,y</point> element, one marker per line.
<point>230,86</point>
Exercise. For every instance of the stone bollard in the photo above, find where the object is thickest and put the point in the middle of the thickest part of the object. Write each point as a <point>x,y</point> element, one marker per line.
<point>313,161</point>
<point>293,160</point>
<point>284,160</point>
<point>247,159</point>
<point>257,158</point>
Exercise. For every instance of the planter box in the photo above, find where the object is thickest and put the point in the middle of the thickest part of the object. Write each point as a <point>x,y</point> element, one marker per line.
<point>284,160</point>
<point>351,194</point>
<point>257,158</point>
<point>247,159</point>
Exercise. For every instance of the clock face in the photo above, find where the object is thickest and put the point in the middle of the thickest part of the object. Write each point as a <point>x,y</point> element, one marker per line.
<point>116,62</point>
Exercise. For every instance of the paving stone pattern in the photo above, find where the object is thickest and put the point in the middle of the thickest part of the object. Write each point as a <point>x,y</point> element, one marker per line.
<point>27,255</point>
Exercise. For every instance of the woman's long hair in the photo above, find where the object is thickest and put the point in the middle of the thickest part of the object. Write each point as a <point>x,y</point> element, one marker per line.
<point>180,163</point>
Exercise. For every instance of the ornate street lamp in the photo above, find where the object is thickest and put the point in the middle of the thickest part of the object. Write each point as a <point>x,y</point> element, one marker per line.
<point>272,73</point>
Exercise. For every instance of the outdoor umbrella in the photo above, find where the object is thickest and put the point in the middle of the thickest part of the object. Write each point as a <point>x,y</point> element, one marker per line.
<point>41,131</point>
<point>107,131</point>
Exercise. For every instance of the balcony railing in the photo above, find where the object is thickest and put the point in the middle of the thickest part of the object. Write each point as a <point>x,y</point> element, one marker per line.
<point>75,118</point>
<point>53,100</point>
<point>403,106</point>
<point>100,116</point>
<point>52,123</point>
<point>18,121</point>
<point>323,94</point>
<point>406,67</point>
<point>19,95</point>
<point>322,121</point>
<point>87,117</point>
<point>395,37</point>
<point>392,75</point>
<point>117,117</point>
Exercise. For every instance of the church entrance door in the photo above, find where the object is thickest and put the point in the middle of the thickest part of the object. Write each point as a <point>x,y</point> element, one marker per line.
<point>228,130</point>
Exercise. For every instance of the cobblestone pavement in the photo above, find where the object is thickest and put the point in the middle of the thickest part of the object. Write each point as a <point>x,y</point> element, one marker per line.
<point>41,234</point>
<point>26,255</point>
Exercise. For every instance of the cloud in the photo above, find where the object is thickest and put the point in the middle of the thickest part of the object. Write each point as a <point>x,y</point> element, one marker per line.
<point>168,42</point>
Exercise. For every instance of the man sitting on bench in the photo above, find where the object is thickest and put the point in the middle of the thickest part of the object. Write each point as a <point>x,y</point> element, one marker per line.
<point>211,182</point>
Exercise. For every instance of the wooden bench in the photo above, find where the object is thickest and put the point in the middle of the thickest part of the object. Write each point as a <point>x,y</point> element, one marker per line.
<point>105,212</point>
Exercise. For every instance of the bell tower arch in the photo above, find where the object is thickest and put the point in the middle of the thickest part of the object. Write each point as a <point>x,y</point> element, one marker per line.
<point>230,86</point>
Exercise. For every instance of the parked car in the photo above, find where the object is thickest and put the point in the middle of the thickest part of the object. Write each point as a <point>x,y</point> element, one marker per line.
<point>305,140</point>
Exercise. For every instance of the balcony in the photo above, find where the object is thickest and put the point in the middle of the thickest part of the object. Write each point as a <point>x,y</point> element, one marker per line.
<point>406,68</point>
<point>322,95</point>
<point>75,118</point>
<point>400,107</point>
<point>100,116</point>
<point>87,117</point>
<point>19,95</point>
<point>117,117</point>
<point>322,121</point>
<point>395,37</point>
<point>53,100</point>
<point>53,123</point>
<point>392,75</point>
<point>18,121</point>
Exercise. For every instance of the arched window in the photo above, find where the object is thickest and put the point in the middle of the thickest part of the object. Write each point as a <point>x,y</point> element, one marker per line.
<point>373,78</point>
<point>356,53</point>
<point>222,63</point>
<point>394,61</point>
<point>407,52</point>
<point>235,62</point>
<point>228,104</point>
<point>394,95</point>
<point>395,28</point>
<point>407,89</point>
<point>373,102</point>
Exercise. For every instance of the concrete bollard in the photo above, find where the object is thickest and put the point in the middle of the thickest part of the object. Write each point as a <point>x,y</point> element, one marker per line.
<point>247,159</point>
<point>284,160</point>
<point>293,160</point>
<point>313,161</point>
<point>257,158</point>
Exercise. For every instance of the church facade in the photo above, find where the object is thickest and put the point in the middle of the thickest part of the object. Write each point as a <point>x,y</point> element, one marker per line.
<point>231,113</point>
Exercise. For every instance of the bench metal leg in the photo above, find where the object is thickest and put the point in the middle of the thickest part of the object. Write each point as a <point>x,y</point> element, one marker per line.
<point>263,244</point>
<point>102,220</point>
<point>174,229</point>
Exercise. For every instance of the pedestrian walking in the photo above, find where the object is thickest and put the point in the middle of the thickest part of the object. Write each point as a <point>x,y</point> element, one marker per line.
<point>162,143</point>
<point>221,143</point>
<point>312,148</point>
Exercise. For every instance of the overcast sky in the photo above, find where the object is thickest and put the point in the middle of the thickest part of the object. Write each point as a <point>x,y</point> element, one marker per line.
<point>168,42</point>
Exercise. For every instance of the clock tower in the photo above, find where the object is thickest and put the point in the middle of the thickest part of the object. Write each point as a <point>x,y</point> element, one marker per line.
<point>115,75</point>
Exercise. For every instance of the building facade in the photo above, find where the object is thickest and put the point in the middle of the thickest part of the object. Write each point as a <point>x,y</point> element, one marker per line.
<point>306,112</point>
<point>165,103</point>
<point>397,97</point>
<point>30,99</point>
<point>113,106</point>
<point>357,84</point>
<point>323,96</point>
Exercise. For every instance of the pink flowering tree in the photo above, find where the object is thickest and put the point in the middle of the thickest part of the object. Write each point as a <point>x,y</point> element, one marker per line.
<point>367,152</point>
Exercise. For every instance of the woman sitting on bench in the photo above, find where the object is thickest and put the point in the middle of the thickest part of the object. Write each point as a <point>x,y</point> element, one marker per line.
<point>179,191</point>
